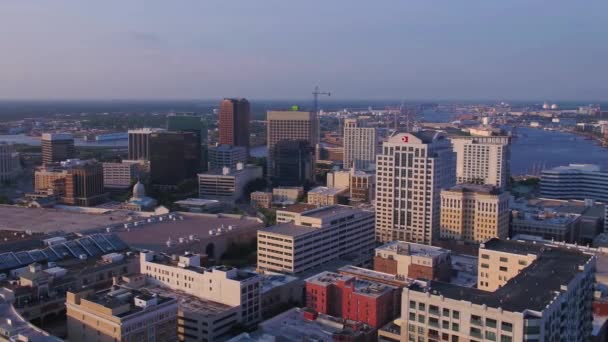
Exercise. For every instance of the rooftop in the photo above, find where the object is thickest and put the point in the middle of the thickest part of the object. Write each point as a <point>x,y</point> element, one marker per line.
<point>154,235</point>
<point>289,229</point>
<point>533,288</point>
<point>299,208</point>
<point>323,190</point>
<point>364,272</point>
<point>192,304</point>
<point>574,168</point>
<point>13,325</point>
<point>361,286</point>
<point>477,188</point>
<point>116,297</point>
<point>293,326</point>
<point>411,248</point>
<point>45,220</point>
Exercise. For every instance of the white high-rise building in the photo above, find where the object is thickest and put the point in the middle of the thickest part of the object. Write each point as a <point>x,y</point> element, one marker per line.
<point>410,173</point>
<point>483,159</point>
<point>360,145</point>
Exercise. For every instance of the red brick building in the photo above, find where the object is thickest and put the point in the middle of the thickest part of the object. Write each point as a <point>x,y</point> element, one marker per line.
<point>350,298</point>
<point>234,122</point>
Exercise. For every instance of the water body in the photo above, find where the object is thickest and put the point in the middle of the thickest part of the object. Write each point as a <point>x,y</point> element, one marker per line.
<point>538,147</point>
<point>35,141</point>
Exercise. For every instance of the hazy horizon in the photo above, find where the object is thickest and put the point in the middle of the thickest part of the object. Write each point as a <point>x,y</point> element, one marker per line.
<point>146,50</point>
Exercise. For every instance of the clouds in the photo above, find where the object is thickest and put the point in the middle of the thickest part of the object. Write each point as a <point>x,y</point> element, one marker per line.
<point>275,49</point>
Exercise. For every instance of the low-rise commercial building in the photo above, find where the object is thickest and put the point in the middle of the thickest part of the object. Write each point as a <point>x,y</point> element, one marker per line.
<point>222,284</point>
<point>546,223</point>
<point>325,196</point>
<point>413,260</point>
<point>575,181</point>
<point>548,299</point>
<point>350,298</point>
<point>227,185</point>
<point>121,314</point>
<point>261,199</point>
<point>286,195</point>
<point>315,237</point>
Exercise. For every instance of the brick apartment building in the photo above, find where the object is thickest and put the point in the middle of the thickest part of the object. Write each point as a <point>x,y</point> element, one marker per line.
<point>347,297</point>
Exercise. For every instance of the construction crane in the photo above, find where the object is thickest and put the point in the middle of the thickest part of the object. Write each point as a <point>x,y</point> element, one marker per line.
<point>315,95</point>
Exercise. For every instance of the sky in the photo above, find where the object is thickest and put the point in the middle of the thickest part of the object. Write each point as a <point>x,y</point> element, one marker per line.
<point>552,50</point>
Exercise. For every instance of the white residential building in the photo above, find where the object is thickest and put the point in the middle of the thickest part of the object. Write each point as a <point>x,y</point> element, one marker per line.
<point>410,173</point>
<point>221,284</point>
<point>483,159</point>
<point>360,145</point>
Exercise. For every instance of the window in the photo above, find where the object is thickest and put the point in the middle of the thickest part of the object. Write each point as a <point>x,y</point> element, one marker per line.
<point>475,332</point>
<point>506,326</point>
<point>421,307</point>
<point>412,316</point>
<point>503,259</point>
<point>490,323</point>
<point>476,320</point>
<point>455,327</point>
<point>421,318</point>
<point>446,312</point>
<point>445,325</point>
<point>434,309</point>
<point>412,305</point>
<point>505,338</point>
<point>485,256</point>
<point>434,322</point>
<point>503,268</point>
<point>490,335</point>
<point>456,314</point>
<point>522,262</point>
<point>485,266</point>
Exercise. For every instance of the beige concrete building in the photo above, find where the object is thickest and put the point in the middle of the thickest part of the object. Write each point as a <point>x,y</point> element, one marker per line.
<point>361,185</point>
<point>315,237</point>
<point>290,125</point>
<point>323,196</point>
<point>74,182</point>
<point>261,199</point>
<point>550,299</point>
<point>474,213</point>
<point>410,173</point>
<point>285,195</point>
<point>360,145</point>
<point>483,159</point>
<point>413,260</point>
<point>222,284</point>
<point>120,314</point>
<point>119,176</point>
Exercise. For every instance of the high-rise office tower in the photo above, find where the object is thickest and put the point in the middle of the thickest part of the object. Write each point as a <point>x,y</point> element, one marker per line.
<point>360,145</point>
<point>483,159</point>
<point>57,147</point>
<point>474,213</point>
<point>174,157</point>
<point>234,122</point>
<point>293,163</point>
<point>190,122</point>
<point>410,173</point>
<point>290,125</point>
<point>10,165</point>
<point>226,156</point>
<point>139,143</point>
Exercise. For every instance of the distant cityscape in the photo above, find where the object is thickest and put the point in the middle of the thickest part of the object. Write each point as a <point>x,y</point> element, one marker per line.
<point>396,222</point>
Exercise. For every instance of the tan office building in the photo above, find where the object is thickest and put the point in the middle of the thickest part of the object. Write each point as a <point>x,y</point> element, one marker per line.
<point>120,314</point>
<point>550,299</point>
<point>314,237</point>
<point>474,213</point>
<point>289,125</point>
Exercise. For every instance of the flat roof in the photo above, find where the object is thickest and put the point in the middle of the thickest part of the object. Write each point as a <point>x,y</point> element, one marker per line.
<point>323,190</point>
<point>533,288</point>
<point>331,210</point>
<point>411,248</point>
<point>119,296</point>
<point>299,208</point>
<point>288,229</point>
<point>477,188</point>
<point>45,220</point>
<point>364,272</point>
<point>193,304</point>
<point>361,286</point>
<point>292,326</point>
<point>154,235</point>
